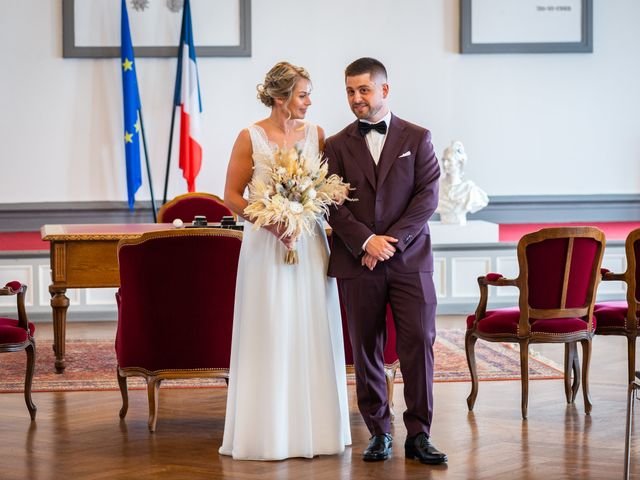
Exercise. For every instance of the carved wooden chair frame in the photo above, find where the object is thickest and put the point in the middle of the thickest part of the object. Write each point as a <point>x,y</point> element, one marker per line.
<point>630,329</point>
<point>29,345</point>
<point>525,336</point>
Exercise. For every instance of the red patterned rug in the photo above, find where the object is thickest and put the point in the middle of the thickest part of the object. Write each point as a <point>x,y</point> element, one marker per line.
<point>494,360</point>
<point>91,365</point>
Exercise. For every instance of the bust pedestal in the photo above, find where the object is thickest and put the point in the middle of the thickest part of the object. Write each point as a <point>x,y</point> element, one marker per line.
<point>475,231</point>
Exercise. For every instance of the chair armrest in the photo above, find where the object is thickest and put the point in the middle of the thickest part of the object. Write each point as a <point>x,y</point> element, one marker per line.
<point>608,276</point>
<point>12,288</point>
<point>497,280</point>
<point>493,279</point>
<point>17,288</point>
<point>482,303</point>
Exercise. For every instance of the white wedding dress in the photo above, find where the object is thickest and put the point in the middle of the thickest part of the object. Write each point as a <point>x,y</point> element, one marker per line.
<point>287,387</point>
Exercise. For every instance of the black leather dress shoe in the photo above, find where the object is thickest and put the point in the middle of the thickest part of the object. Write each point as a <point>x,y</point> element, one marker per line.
<point>420,448</point>
<point>379,448</point>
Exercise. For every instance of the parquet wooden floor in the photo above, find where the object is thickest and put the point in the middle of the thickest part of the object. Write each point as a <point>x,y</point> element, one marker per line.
<point>79,435</point>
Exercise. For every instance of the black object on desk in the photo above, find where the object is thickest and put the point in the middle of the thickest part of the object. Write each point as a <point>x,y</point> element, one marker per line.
<point>200,221</point>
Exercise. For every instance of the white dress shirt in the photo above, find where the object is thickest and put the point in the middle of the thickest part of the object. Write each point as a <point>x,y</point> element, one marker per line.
<point>375,143</point>
<point>375,140</point>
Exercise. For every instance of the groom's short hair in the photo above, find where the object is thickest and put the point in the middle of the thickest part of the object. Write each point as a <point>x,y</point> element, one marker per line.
<point>369,65</point>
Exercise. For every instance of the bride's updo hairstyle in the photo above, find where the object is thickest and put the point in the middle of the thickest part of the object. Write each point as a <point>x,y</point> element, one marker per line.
<point>279,82</point>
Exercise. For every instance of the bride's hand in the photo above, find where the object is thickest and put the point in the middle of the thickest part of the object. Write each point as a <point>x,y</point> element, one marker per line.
<point>345,196</point>
<point>277,230</point>
<point>342,196</point>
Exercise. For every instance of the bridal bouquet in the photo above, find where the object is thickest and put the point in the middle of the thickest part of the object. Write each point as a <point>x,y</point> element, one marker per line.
<point>297,191</point>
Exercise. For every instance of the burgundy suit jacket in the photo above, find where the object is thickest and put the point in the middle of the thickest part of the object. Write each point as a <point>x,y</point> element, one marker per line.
<point>396,198</point>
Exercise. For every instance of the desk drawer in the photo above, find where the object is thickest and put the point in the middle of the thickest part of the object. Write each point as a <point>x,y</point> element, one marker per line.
<point>91,263</point>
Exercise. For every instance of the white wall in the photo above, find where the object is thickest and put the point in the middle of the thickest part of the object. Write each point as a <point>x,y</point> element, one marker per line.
<point>532,124</point>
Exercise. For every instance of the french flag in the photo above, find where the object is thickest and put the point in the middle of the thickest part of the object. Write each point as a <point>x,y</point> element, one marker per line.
<point>187,97</point>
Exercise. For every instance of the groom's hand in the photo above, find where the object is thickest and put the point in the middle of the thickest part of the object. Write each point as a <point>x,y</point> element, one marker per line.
<point>368,261</point>
<point>380,248</point>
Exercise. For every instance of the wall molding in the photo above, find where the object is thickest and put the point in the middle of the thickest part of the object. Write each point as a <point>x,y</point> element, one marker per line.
<point>17,217</point>
<point>29,217</point>
<point>560,208</point>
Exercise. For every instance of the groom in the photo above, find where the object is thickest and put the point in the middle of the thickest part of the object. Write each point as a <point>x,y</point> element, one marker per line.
<point>381,253</point>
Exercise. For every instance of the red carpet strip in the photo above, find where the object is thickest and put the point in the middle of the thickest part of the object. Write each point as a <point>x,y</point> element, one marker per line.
<point>21,241</point>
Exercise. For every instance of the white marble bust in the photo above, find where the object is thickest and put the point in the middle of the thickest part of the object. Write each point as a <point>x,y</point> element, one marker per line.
<point>457,196</point>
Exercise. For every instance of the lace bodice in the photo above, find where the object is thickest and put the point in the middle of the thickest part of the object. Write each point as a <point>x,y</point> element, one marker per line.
<point>263,148</point>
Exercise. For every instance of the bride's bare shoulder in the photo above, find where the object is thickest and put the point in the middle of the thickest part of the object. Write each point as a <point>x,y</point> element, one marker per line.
<point>244,136</point>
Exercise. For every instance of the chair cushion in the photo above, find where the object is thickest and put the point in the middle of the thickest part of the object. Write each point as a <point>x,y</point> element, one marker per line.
<point>11,333</point>
<point>611,314</point>
<point>505,320</point>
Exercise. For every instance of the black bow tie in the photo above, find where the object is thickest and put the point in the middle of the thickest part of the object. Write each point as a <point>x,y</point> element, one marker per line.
<point>364,127</point>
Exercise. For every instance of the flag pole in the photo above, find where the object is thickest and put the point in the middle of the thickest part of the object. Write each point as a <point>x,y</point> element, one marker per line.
<point>173,114</point>
<point>166,173</point>
<point>146,159</point>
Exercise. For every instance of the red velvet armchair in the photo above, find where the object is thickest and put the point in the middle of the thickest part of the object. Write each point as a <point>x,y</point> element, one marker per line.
<point>559,275</point>
<point>17,335</point>
<point>621,317</point>
<point>187,206</point>
<point>175,307</point>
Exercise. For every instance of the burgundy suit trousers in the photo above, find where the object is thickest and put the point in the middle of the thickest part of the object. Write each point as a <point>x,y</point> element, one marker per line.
<point>413,303</point>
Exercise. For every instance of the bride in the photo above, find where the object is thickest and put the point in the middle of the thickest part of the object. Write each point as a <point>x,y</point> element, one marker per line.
<point>287,384</point>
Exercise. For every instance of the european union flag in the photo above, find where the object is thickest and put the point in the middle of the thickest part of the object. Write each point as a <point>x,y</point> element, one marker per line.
<point>131,98</point>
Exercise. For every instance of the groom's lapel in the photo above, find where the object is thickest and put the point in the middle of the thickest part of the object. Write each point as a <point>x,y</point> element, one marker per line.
<point>357,146</point>
<point>391,150</point>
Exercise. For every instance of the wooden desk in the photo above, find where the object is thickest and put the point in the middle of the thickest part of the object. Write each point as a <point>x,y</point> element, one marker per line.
<point>84,256</point>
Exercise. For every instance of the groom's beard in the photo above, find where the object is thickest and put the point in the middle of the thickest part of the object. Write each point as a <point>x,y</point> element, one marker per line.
<point>367,113</point>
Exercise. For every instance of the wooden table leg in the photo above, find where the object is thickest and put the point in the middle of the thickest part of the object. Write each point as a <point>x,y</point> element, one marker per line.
<point>59,304</point>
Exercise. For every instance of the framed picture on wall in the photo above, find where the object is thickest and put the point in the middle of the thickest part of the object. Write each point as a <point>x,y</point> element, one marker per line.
<point>526,26</point>
<point>91,28</point>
